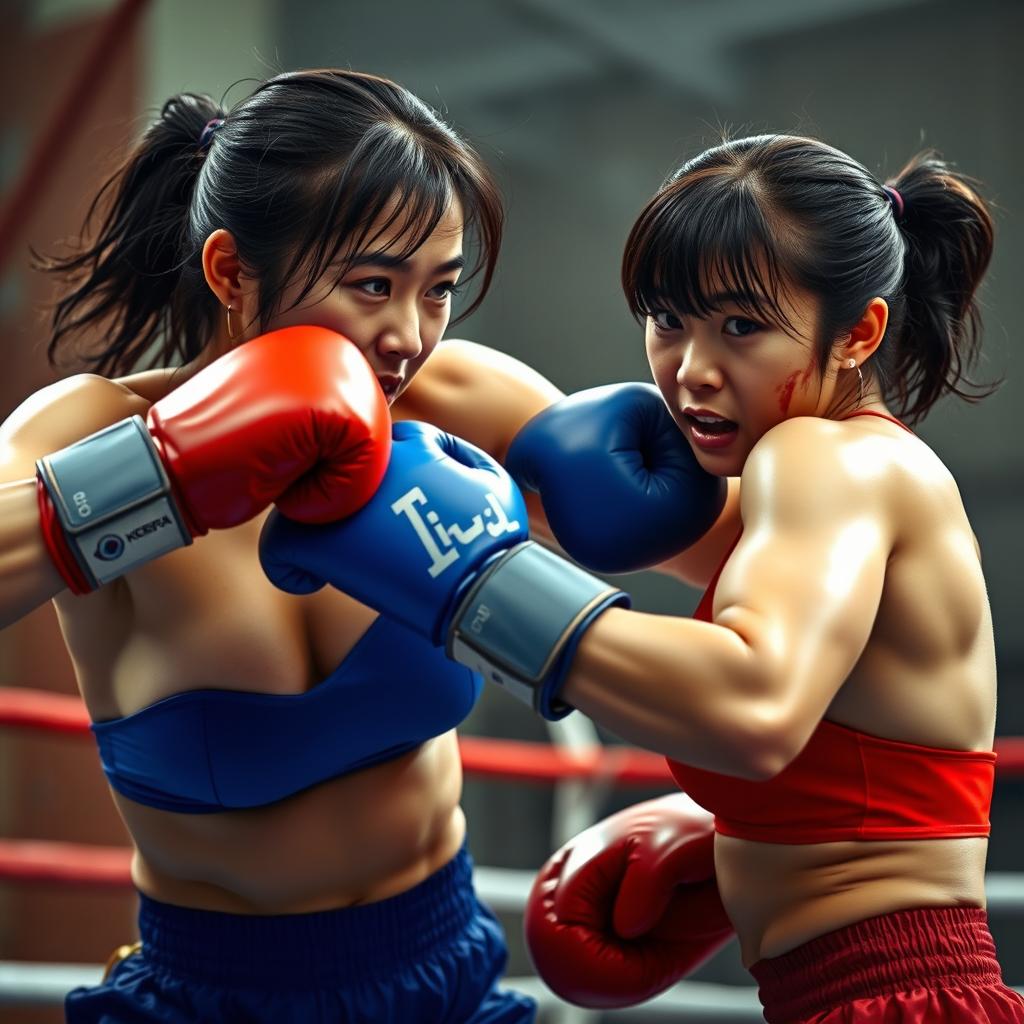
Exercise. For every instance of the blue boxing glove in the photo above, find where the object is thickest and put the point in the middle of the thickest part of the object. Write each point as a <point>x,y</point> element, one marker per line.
<point>619,483</point>
<point>441,546</point>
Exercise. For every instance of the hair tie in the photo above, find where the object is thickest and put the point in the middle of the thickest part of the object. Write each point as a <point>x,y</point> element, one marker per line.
<point>207,133</point>
<point>895,201</point>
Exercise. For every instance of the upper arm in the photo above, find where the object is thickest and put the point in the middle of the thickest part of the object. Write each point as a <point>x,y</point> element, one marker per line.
<point>803,586</point>
<point>477,393</point>
<point>59,415</point>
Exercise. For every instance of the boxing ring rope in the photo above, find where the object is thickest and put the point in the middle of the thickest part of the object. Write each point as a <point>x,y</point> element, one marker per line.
<point>581,768</point>
<point>576,753</point>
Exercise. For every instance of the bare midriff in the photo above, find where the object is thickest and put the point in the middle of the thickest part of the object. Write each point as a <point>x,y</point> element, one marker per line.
<point>206,616</point>
<point>355,839</point>
<point>780,896</point>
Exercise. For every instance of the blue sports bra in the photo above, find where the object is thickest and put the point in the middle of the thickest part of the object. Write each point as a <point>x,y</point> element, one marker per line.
<point>213,750</point>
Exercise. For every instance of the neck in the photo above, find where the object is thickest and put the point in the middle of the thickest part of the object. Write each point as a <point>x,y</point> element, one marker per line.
<point>218,345</point>
<point>848,399</point>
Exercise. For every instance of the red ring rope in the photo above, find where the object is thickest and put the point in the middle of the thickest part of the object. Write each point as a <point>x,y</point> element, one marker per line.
<point>76,864</point>
<point>515,760</point>
<point>72,864</point>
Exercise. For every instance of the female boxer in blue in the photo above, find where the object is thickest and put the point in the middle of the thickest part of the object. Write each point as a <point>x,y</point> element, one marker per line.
<point>287,767</point>
<point>833,699</point>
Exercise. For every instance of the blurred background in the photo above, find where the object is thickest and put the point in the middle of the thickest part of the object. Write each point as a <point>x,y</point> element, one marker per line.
<point>581,107</point>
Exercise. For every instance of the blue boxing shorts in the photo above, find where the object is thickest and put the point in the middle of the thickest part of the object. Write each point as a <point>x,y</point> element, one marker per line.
<point>433,953</point>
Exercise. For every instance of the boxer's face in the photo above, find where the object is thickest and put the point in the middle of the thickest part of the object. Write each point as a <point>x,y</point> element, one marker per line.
<point>729,378</point>
<point>395,311</point>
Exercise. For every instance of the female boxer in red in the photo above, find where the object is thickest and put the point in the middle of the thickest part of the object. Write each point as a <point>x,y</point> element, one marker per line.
<point>833,700</point>
<point>287,767</point>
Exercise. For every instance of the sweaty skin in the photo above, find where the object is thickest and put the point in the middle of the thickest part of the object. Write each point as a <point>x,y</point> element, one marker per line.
<point>919,650</point>
<point>206,616</point>
<point>895,640</point>
<point>910,663</point>
<point>925,654</point>
<point>855,593</point>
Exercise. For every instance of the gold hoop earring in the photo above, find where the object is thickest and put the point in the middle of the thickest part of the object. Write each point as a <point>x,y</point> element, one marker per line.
<point>231,337</point>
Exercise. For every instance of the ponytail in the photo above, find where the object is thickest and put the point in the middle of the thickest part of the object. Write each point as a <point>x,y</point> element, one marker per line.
<point>935,333</point>
<point>760,213</point>
<point>298,173</point>
<point>125,280</point>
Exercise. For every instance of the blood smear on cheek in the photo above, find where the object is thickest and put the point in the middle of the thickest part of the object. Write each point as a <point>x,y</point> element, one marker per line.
<point>786,392</point>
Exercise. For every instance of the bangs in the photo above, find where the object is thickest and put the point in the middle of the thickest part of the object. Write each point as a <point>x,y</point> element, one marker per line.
<point>389,188</point>
<point>703,242</point>
<point>419,190</point>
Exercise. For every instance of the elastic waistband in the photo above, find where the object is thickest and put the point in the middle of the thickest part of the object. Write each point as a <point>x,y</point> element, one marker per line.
<point>323,949</point>
<point>929,947</point>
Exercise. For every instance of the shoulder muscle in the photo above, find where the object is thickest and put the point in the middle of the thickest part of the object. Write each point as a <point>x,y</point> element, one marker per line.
<point>807,473</point>
<point>59,415</point>
<point>478,393</point>
<point>804,584</point>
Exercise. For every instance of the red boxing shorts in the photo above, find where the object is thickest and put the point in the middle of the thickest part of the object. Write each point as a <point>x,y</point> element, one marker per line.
<point>908,967</point>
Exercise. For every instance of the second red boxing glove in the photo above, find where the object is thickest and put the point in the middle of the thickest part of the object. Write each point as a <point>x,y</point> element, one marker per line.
<point>629,906</point>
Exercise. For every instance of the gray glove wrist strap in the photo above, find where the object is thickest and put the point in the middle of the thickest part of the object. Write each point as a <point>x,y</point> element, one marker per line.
<point>113,498</point>
<point>520,622</point>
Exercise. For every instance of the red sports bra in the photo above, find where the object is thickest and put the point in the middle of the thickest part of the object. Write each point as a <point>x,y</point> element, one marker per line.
<point>847,784</point>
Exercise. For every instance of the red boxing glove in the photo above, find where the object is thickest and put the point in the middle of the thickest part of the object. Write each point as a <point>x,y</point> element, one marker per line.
<point>628,907</point>
<point>295,417</point>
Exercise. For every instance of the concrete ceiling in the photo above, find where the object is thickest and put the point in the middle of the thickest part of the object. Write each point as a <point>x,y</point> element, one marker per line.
<point>479,52</point>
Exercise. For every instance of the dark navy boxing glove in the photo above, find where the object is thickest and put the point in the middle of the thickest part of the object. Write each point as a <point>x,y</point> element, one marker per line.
<point>442,547</point>
<point>619,483</point>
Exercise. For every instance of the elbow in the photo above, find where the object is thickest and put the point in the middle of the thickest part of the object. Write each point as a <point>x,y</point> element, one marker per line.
<point>766,766</point>
<point>766,746</point>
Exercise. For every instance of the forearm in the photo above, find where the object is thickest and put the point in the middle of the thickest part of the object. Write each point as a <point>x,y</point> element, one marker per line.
<point>694,691</point>
<point>27,575</point>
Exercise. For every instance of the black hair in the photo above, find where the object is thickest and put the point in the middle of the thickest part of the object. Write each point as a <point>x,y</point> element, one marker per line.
<point>755,217</point>
<point>299,172</point>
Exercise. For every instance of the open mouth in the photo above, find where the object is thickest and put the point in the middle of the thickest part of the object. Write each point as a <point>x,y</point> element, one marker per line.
<point>711,431</point>
<point>711,425</point>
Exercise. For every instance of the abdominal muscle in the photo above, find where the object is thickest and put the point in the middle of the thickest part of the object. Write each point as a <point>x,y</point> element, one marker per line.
<point>781,896</point>
<point>355,839</point>
<point>207,614</point>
